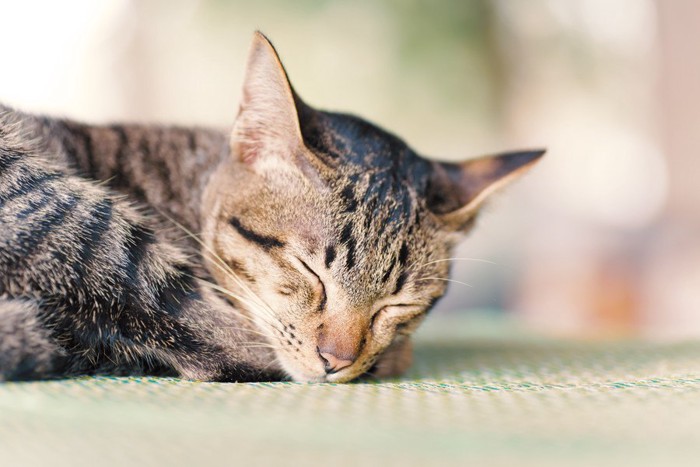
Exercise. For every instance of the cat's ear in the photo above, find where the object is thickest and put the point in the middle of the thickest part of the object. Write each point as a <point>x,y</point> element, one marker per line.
<point>267,126</point>
<point>457,190</point>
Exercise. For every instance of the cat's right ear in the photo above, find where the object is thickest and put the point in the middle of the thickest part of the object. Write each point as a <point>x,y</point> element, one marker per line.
<point>267,126</point>
<point>457,191</point>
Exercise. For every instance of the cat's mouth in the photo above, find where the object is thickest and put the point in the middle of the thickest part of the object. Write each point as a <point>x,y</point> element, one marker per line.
<point>302,373</point>
<point>316,366</point>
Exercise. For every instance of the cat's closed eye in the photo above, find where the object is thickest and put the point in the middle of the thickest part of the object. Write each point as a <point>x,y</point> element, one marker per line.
<point>318,285</point>
<point>399,314</point>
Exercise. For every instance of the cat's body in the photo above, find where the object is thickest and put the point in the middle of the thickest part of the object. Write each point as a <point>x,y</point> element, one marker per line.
<point>305,244</point>
<point>93,282</point>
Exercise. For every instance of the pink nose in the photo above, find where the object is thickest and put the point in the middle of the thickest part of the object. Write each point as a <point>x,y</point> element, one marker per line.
<point>333,363</point>
<point>339,342</point>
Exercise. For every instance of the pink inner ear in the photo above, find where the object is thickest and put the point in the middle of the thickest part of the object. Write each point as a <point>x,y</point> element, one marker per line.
<point>455,186</point>
<point>249,150</point>
<point>267,123</point>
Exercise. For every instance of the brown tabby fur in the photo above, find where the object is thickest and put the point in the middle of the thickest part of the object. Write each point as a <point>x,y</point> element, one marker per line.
<point>305,244</point>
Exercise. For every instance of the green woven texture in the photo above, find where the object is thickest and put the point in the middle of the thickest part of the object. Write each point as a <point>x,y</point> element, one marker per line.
<point>480,393</point>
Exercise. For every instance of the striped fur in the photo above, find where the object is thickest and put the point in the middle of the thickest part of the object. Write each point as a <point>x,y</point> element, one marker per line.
<point>108,291</point>
<point>319,242</point>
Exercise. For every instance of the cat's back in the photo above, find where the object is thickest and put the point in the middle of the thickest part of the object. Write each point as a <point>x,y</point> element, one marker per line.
<point>16,129</point>
<point>33,139</point>
<point>161,167</point>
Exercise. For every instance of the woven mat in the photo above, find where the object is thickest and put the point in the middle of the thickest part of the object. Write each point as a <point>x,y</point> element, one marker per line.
<point>479,393</point>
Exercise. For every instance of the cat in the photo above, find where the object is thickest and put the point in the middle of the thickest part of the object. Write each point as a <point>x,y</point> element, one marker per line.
<point>303,245</point>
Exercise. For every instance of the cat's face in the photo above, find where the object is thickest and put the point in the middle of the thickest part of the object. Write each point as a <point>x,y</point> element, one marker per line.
<point>329,233</point>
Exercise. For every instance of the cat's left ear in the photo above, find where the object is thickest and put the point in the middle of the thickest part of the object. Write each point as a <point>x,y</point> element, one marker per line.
<point>267,126</point>
<point>457,190</point>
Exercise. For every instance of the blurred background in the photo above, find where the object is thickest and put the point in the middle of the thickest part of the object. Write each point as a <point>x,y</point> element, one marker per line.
<point>601,239</point>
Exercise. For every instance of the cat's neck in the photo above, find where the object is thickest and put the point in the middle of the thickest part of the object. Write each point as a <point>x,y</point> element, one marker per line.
<point>165,167</point>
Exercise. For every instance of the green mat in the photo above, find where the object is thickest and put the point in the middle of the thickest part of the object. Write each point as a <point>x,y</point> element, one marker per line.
<point>480,393</point>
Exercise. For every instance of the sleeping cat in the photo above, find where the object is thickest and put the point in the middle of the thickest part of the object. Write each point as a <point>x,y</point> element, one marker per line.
<point>304,244</point>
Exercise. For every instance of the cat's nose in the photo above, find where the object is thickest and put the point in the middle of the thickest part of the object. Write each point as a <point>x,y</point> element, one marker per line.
<point>333,362</point>
<point>340,341</point>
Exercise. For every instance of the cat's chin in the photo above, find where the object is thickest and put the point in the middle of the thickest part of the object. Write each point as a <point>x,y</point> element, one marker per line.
<point>305,375</point>
<point>322,377</point>
<point>340,377</point>
<point>300,377</point>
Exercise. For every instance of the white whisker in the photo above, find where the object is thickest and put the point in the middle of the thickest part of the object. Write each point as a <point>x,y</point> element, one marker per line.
<point>443,279</point>
<point>275,361</point>
<point>476,260</point>
<point>260,346</point>
<point>223,267</point>
<point>253,307</point>
<point>221,264</point>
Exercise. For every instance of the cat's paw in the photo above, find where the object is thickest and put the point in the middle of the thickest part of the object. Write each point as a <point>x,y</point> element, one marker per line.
<point>395,360</point>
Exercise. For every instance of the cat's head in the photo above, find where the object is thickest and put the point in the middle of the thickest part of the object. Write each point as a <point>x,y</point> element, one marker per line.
<point>332,234</point>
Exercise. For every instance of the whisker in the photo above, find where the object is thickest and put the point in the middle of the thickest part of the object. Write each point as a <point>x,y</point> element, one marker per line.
<point>243,329</point>
<point>441,260</point>
<point>443,279</point>
<point>221,289</point>
<point>274,361</point>
<point>260,344</point>
<point>223,267</point>
<point>247,330</point>
<point>219,262</point>
<point>252,307</point>
<point>255,308</point>
<point>256,304</point>
<point>250,346</point>
<point>476,260</point>
<point>225,291</point>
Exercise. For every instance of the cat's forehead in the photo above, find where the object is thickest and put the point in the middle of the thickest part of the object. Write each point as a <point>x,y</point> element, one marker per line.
<point>361,146</point>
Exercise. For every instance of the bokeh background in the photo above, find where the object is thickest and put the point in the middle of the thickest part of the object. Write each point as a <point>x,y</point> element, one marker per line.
<point>602,239</point>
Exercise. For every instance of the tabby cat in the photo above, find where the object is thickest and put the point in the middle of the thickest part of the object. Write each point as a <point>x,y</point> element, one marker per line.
<point>304,244</point>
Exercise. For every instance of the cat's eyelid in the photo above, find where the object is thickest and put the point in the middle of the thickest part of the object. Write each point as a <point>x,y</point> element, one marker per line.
<point>419,310</point>
<point>309,269</point>
<point>324,298</point>
<point>398,305</point>
<point>389,306</point>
